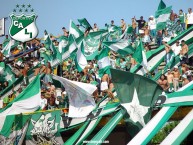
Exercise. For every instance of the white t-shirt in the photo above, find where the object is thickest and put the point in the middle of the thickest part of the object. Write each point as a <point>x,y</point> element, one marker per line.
<point>176,49</point>
<point>152,24</point>
<point>43,103</point>
<point>190,18</point>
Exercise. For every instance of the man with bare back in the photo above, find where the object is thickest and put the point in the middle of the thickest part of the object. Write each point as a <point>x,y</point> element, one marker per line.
<point>184,52</point>
<point>176,78</point>
<point>163,82</point>
<point>170,78</point>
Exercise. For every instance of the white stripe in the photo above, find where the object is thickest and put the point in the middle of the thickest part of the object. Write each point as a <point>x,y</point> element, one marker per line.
<point>104,62</point>
<point>179,129</point>
<point>163,18</point>
<point>23,106</point>
<point>89,127</point>
<point>179,99</point>
<point>118,46</point>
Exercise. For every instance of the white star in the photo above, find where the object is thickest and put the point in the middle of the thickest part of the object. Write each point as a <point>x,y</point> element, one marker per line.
<point>8,77</point>
<point>135,110</point>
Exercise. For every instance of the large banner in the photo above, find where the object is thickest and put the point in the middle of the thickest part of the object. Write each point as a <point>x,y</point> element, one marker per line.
<point>2,27</point>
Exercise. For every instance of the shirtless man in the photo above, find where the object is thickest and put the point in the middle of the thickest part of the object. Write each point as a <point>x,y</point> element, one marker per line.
<point>123,25</point>
<point>163,82</point>
<point>176,78</point>
<point>146,34</point>
<point>168,55</point>
<point>1,56</point>
<point>24,73</point>
<point>184,52</point>
<point>170,78</point>
<point>185,80</point>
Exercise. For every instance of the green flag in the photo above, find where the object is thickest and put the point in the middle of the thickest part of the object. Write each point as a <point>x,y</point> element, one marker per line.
<point>137,95</point>
<point>8,74</point>
<point>74,30</point>
<point>162,5</point>
<point>83,22</point>
<point>103,62</point>
<point>139,55</point>
<point>162,16</point>
<point>122,47</point>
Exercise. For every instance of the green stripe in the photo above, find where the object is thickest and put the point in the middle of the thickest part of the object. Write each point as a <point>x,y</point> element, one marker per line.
<point>106,130</point>
<point>167,115</point>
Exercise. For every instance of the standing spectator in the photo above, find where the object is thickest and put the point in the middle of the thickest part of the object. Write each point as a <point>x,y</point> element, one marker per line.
<point>159,37</point>
<point>166,36</point>
<point>182,18</point>
<point>185,81</point>
<point>176,78</point>
<point>177,28</point>
<point>190,18</point>
<point>168,55</point>
<point>170,80</point>
<point>146,37</point>
<point>112,23</point>
<point>141,23</point>
<point>173,16</point>
<point>66,33</point>
<point>163,82</point>
<point>95,28</point>
<point>152,27</point>
<point>176,49</point>
<point>134,25</point>
<point>123,25</point>
<point>184,52</point>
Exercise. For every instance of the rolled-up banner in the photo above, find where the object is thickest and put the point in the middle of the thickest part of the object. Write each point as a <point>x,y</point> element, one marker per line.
<point>2,27</point>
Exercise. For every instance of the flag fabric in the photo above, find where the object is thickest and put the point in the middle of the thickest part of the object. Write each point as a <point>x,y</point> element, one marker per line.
<point>74,30</point>
<point>137,95</point>
<point>2,27</point>
<point>161,5</point>
<point>157,122</point>
<point>103,62</point>
<point>44,128</point>
<point>83,22</point>
<point>81,102</point>
<point>21,104</point>
<point>100,137</point>
<point>80,59</point>
<point>162,16</point>
<point>2,67</point>
<point>6,73</point>
<point>181,131</point>
<point>122,47</point>
<point>7,49</point>
<point>140,56</point>
<point>63,41</point>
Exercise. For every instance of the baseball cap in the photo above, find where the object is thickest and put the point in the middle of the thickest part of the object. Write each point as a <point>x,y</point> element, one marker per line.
<point>176,66</point>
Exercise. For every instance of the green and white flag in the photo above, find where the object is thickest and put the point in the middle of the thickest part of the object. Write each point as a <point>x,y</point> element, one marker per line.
<point>44,128</point>
<point>140,56</point>
<point>162,16</point>
<point>137,94</point>
<point>9,75</point>
<point>47,40</point>
<point>81,102</point>
<point>27,101</point>
<point>2,67</point>
<point>103,62</point>
<point>63,43</point>
<point>7,49</point>
<point>122,47</point>
<point>74,30</point>
<point>80,59</point>
<point>83,22</point>
<point>161,5</point>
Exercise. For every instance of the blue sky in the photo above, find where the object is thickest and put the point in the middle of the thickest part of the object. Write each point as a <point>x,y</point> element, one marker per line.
<point>54,14</point>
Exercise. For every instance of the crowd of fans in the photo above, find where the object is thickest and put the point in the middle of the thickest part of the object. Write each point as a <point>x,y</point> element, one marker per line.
<point>53,97</point>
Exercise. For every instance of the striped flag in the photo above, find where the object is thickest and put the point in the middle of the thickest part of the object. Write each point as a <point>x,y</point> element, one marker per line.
<point>74,30</point>
<point>122,47</point>
<point>21,104</point>
<point>7,49</point>
<point>162,16</point>
<point>103,62</point>
<point>83,22</point>
<point>80,59</point>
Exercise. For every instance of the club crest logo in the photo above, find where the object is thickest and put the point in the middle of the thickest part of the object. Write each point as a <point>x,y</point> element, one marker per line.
<point>23,26</point>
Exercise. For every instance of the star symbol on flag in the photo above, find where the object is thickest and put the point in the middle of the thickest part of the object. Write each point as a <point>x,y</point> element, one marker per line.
<point>20,10</point>
<point>17,6</point>
<point>29,6</point>
<point>32,10</point>
<point>135,110</point>
<point>9,77</point>
<point>23,6</point>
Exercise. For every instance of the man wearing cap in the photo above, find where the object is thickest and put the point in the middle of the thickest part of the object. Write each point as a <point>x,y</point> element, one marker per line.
<point>170,80</point>
<point>176,78</point>
<point>176,48</point>
<point>185,81</point>
<point>152,27</point>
